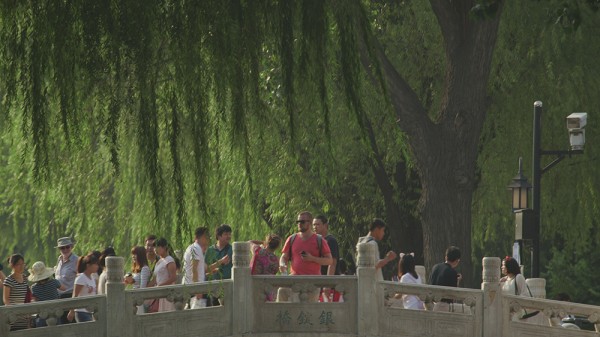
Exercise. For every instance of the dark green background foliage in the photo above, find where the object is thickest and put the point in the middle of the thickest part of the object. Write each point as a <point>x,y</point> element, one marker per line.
<point>120,119</point>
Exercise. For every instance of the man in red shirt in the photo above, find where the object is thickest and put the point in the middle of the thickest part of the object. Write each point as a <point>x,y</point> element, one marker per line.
<point>305,254</point>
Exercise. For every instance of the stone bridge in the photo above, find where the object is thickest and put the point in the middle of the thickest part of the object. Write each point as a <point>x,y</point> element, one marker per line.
<point>366,311</point>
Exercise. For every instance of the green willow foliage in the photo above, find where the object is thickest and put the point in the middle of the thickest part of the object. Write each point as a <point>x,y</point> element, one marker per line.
<point>169,93</point>
<point>122,118</point>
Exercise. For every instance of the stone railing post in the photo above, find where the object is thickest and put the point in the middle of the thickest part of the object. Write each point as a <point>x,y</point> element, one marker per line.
<point>243,299</point>
<point>537,286</point>
<point>118,316</point>
<point>368,298</point>
<point>422,273</point>
<point>492,298</point>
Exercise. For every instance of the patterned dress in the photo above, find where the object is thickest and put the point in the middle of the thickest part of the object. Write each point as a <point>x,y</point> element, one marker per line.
<point>265,263</point>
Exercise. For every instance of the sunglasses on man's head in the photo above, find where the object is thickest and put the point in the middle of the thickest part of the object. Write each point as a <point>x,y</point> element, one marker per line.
<point>64,247</point>
<point>302,221</point>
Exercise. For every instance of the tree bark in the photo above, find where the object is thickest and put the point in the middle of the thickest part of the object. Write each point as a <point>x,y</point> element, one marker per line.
<point>446,150</point>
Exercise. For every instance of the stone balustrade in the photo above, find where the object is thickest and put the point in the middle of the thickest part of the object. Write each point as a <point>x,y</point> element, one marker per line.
<point>247,307</point>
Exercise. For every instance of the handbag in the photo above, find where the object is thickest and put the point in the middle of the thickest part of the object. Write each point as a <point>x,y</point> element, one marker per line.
<point>28,295</point>
<point>152,306</point>
<point>526,314</point>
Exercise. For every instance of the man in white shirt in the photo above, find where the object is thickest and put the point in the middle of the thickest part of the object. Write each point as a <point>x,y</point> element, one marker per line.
<point>376,233</point>
<point>194,266</point>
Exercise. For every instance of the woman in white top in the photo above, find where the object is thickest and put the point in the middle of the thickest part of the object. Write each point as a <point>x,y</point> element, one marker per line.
<point>165,272</point>
<point>513,283</point>
<point>406,270</point>
<point>85,285</point>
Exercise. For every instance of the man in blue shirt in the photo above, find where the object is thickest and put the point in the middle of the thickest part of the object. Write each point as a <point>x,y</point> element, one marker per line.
<point>218,258</point>
<point>66,270</point>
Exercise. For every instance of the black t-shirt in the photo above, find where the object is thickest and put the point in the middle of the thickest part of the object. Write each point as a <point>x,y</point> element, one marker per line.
<point>443,274</point>
<point>335,254</point>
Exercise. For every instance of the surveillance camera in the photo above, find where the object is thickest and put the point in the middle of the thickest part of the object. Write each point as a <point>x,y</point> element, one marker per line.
<point>576,125</point>
<point>576,120</point>
<point>577,138</point>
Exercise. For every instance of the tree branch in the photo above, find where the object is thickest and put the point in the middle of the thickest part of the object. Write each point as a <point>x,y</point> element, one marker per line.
<point>411,115</point>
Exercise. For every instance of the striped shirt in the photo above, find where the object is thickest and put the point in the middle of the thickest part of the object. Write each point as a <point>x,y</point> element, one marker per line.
<point>46,291</point>
<point>141,279</point>
<point>17,296</point>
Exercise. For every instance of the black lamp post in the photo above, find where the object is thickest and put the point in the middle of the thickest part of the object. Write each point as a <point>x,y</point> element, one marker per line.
<point>530,219</point>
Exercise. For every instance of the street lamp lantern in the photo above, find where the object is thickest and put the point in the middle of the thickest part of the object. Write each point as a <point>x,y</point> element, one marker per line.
<point>520,190</point>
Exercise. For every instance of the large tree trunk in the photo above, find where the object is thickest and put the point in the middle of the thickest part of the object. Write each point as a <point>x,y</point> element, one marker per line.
<point>447,176</point>
<point>446,150</point>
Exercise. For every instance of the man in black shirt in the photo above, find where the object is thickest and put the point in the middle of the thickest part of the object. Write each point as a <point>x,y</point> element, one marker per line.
<point>321,227</point>
<point>444,274</point>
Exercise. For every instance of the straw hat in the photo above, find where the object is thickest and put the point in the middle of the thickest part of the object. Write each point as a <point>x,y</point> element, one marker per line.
<point>39,272</point>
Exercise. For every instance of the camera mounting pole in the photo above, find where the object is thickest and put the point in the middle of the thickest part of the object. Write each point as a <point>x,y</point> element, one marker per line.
<point>537,177</point>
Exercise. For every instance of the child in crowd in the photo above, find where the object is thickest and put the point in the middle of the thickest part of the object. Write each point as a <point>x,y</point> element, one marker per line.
<point>408,274</point>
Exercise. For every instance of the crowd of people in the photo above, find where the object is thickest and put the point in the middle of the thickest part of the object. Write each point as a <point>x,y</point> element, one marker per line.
<point>312,250</point>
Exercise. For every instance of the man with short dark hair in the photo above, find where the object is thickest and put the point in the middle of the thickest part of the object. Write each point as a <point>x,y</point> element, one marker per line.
<point>444,274</point>
<point>376,233</point>
<point>218,258</point>
<point>321,227</point>
<point>194,265</point>
<point>150,252</point>
<point>307,252</point>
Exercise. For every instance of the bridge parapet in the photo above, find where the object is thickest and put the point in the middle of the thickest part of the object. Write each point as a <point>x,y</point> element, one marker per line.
<point>247,309</point>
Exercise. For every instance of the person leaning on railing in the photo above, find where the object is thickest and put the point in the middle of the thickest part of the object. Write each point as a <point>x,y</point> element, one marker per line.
<point>16,290</point>
<point>44,288</point>
<point>165,273</point>
<point>84,285</point>
<point>445,274</point>
<point>513,282</point>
